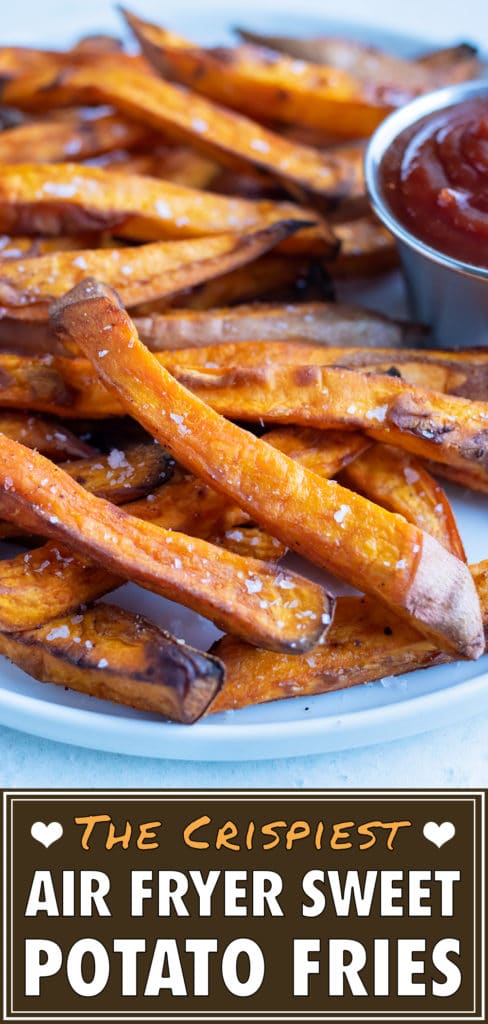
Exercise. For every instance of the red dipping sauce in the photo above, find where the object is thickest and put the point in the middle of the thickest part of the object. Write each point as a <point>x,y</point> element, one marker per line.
<point>434,178</point>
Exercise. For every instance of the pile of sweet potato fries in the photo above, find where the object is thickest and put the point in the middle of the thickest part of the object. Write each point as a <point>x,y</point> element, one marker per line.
<point>182,401</point>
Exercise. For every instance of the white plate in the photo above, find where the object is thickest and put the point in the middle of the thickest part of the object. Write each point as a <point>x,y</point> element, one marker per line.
<point>375,713</point>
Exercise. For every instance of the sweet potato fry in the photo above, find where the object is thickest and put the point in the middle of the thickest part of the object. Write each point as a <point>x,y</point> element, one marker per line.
<point>113,654</point>
<point>72,138</point>
<point>244,380</point>
<point>328,323</point>
<point>462,372</point>
<point>52,200</point>
<point>397,481</point>
<point>122,476</point>
<point>141,273</point>
<point>375,67</point>
<point>240,594</point>
<point>365,643</point>
<point>50,438</point>
<point>118,477</point>
<point>442,427</point>
<point>53,582</point>
<point>392,558</point>
<point>20,62</point>
<point>264,85</point>
<point>221,134</point>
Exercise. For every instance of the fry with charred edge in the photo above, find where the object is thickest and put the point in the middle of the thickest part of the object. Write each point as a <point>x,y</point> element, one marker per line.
<point>120,477</point>
<point>328,323</point>
<point>72,138</point>
<point>141,273</point>
<point>50,438</point>
<point>400,483</point>
<point>279,610</point>
<point>364,643</point>
<point>118,656</point>
<point>441,427</point>
<point>50,581</point>
<point>342,532</point>
<point>273,381</point>
<point>224,135</point>
<point>263,85</point>
<point>69,198</point>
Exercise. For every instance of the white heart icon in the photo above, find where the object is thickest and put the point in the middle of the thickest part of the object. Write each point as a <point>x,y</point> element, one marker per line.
<point>47,834</point>
<point>439,834</point>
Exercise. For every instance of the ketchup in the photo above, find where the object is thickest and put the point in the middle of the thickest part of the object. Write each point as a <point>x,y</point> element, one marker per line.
<point>434,177</point>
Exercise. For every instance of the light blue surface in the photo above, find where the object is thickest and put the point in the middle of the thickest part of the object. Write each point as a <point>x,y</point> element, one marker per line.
<point>456,756</point>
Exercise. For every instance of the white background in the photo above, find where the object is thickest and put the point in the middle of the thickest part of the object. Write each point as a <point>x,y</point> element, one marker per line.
<point>457,756</point>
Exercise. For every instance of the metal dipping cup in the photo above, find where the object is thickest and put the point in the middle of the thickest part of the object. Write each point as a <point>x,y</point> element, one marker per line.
<point>447,294</point>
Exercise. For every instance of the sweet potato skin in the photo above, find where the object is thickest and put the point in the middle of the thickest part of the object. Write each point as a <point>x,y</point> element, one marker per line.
<point>142,273</point>
<point>333,324</point>
<point>365,643</point>
<point>393,559</point>
<point>237,593</point>
<point>110,653</point>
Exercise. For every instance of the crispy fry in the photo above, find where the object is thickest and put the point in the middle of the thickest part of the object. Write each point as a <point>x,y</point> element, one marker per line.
<point>118,477</point>
<point>376,67</point>
<point>446,428</point>
<point>40,198</point>
<point>118,656</point>
<point>323,521</point>
<point>242,380</point>
<point>122,476</point>
<point>142,273</point>
<point>70,139</point>
<point>221,134</point>
<point>400,483</point>
<point>50,438</point>
<point>239,594</point>
<point>328,323</point>
<point>264,85</point>
<point>53,582</point>
<point>365,643</point>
